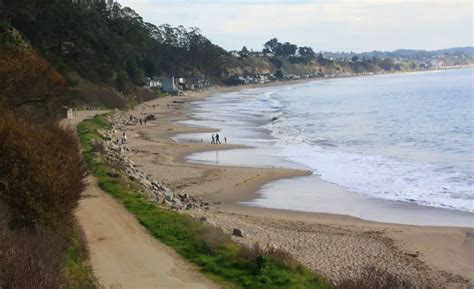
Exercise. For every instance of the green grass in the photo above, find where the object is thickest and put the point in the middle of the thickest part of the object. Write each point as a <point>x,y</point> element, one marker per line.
<point>210,249</point>
<point>77,273</point>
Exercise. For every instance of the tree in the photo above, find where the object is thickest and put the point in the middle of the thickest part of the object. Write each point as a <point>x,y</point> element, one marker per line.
<point>321,59</point>
<point>244,52</point>
<point>387,64</point>
<point>272,46</point>
<point>306,52</point>
<point>279,74</point>
<point>288,49</point>
<point>354,58</point>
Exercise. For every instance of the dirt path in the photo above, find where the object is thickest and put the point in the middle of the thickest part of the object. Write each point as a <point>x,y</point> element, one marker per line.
<point>122,254</point>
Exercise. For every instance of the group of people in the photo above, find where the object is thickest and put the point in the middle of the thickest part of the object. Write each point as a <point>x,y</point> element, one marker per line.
<point>122,140</point>
<point>140,120</point>
<point>215,139</point>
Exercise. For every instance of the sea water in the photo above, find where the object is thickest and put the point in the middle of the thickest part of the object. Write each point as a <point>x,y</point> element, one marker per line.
<point>399,137</point>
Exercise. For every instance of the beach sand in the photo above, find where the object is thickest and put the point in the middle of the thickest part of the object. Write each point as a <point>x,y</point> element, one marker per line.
<point>334,245</point>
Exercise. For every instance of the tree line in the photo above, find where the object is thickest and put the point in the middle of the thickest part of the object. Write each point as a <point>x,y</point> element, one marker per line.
<point>110,44</point>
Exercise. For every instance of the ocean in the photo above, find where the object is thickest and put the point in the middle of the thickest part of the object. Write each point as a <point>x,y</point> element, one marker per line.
<point>398,137</point>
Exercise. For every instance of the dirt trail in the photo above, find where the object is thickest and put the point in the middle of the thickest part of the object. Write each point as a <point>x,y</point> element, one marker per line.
<point>122,254</point>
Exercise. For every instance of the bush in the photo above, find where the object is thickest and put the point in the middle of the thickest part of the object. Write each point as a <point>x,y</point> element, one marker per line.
<point>104,96</point>
<point>374,278</point>
<point>41,172</point>
<point>29,84</point>
<point>30,258</point>
<point>145,95</point>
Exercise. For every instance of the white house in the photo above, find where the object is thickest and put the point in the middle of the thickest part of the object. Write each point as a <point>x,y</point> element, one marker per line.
<point>150,83</point>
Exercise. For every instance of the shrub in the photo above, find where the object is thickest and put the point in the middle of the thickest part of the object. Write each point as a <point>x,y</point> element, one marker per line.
<point>41,172</point>
<point>104,96</point>
<point>145,95</point>
<point>29,84</point>
<point>256,252</point>
<point>374,278</point>
<point>30,258</point>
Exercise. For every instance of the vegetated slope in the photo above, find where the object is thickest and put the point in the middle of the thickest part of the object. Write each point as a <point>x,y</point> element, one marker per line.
<point>110,45</point>
<point>41,175</point>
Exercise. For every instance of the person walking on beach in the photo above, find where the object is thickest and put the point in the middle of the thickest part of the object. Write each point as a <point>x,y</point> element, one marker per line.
<point>225,140</point>
<point>144,120</point>
<point>124,139</point>
<point>212,139</point>
<point>140,121</point>
<point>217,139</point>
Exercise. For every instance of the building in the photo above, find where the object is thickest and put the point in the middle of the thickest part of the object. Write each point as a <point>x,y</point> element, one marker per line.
<point>196,82</point>
<point>151,83</point>
<point>168,85</point>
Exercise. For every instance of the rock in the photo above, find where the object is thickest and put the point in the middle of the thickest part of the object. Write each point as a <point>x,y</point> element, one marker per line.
<point>203,219</point>
<point>176,204</point>
<point>189,206</point>
<point>177,201</point>
<point>169,196</point>
<point>238,233</point>
<point>113,174</point>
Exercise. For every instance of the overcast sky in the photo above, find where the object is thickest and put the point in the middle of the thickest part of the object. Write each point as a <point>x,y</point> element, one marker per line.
<point>329,25</point>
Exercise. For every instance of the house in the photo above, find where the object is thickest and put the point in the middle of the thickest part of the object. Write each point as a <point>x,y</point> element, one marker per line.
<point>196,83</point>
<point>235,53</point>
<point>263,78</point>
<point>151,83</point>
<point>168,85</point>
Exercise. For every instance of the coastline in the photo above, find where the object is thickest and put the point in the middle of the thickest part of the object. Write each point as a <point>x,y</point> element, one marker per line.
<point>411,250</point>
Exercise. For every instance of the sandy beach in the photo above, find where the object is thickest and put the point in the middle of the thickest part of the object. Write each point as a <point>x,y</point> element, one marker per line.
<point>336,246</point>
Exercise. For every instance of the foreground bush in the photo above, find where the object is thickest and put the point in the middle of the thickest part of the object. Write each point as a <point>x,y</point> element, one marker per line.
<point>29,258</point>
<point>39,257</point>
<point>41,172</point>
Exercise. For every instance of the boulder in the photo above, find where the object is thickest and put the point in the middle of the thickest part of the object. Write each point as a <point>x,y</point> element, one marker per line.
<point>169,196</point>
<point>238,233</point>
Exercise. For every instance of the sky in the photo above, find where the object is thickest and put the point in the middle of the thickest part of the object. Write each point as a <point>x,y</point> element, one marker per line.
<point>324,25</point>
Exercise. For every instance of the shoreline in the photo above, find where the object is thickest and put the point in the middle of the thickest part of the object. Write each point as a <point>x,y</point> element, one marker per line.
<point>152,151</point>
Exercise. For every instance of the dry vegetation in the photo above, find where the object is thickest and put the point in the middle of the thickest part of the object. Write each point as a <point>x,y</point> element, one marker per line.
<point>374,278</point>
<point>41,178</point>
<point>41,172</point>
<point>30,257</point>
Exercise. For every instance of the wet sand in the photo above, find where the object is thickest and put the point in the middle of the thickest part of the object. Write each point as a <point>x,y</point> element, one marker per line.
<point>334,245</point>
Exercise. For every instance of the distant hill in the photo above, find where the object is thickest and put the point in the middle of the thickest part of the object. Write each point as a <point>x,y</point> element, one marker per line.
<point>405,53</point>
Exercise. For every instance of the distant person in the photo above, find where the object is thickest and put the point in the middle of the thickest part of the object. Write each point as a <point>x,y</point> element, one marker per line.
<point>131,117</point>
<point>217,139</point>
<point>141,122</point>
<point>202,140</point>
<point>144,120</point>
<point>225,140</point>
<point>213,139</point>
<point>153,106</point>
<point>124,139</point>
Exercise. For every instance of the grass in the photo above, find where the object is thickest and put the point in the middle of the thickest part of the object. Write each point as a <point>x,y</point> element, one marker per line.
<point>78,274</point>
<point>210,249</point>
